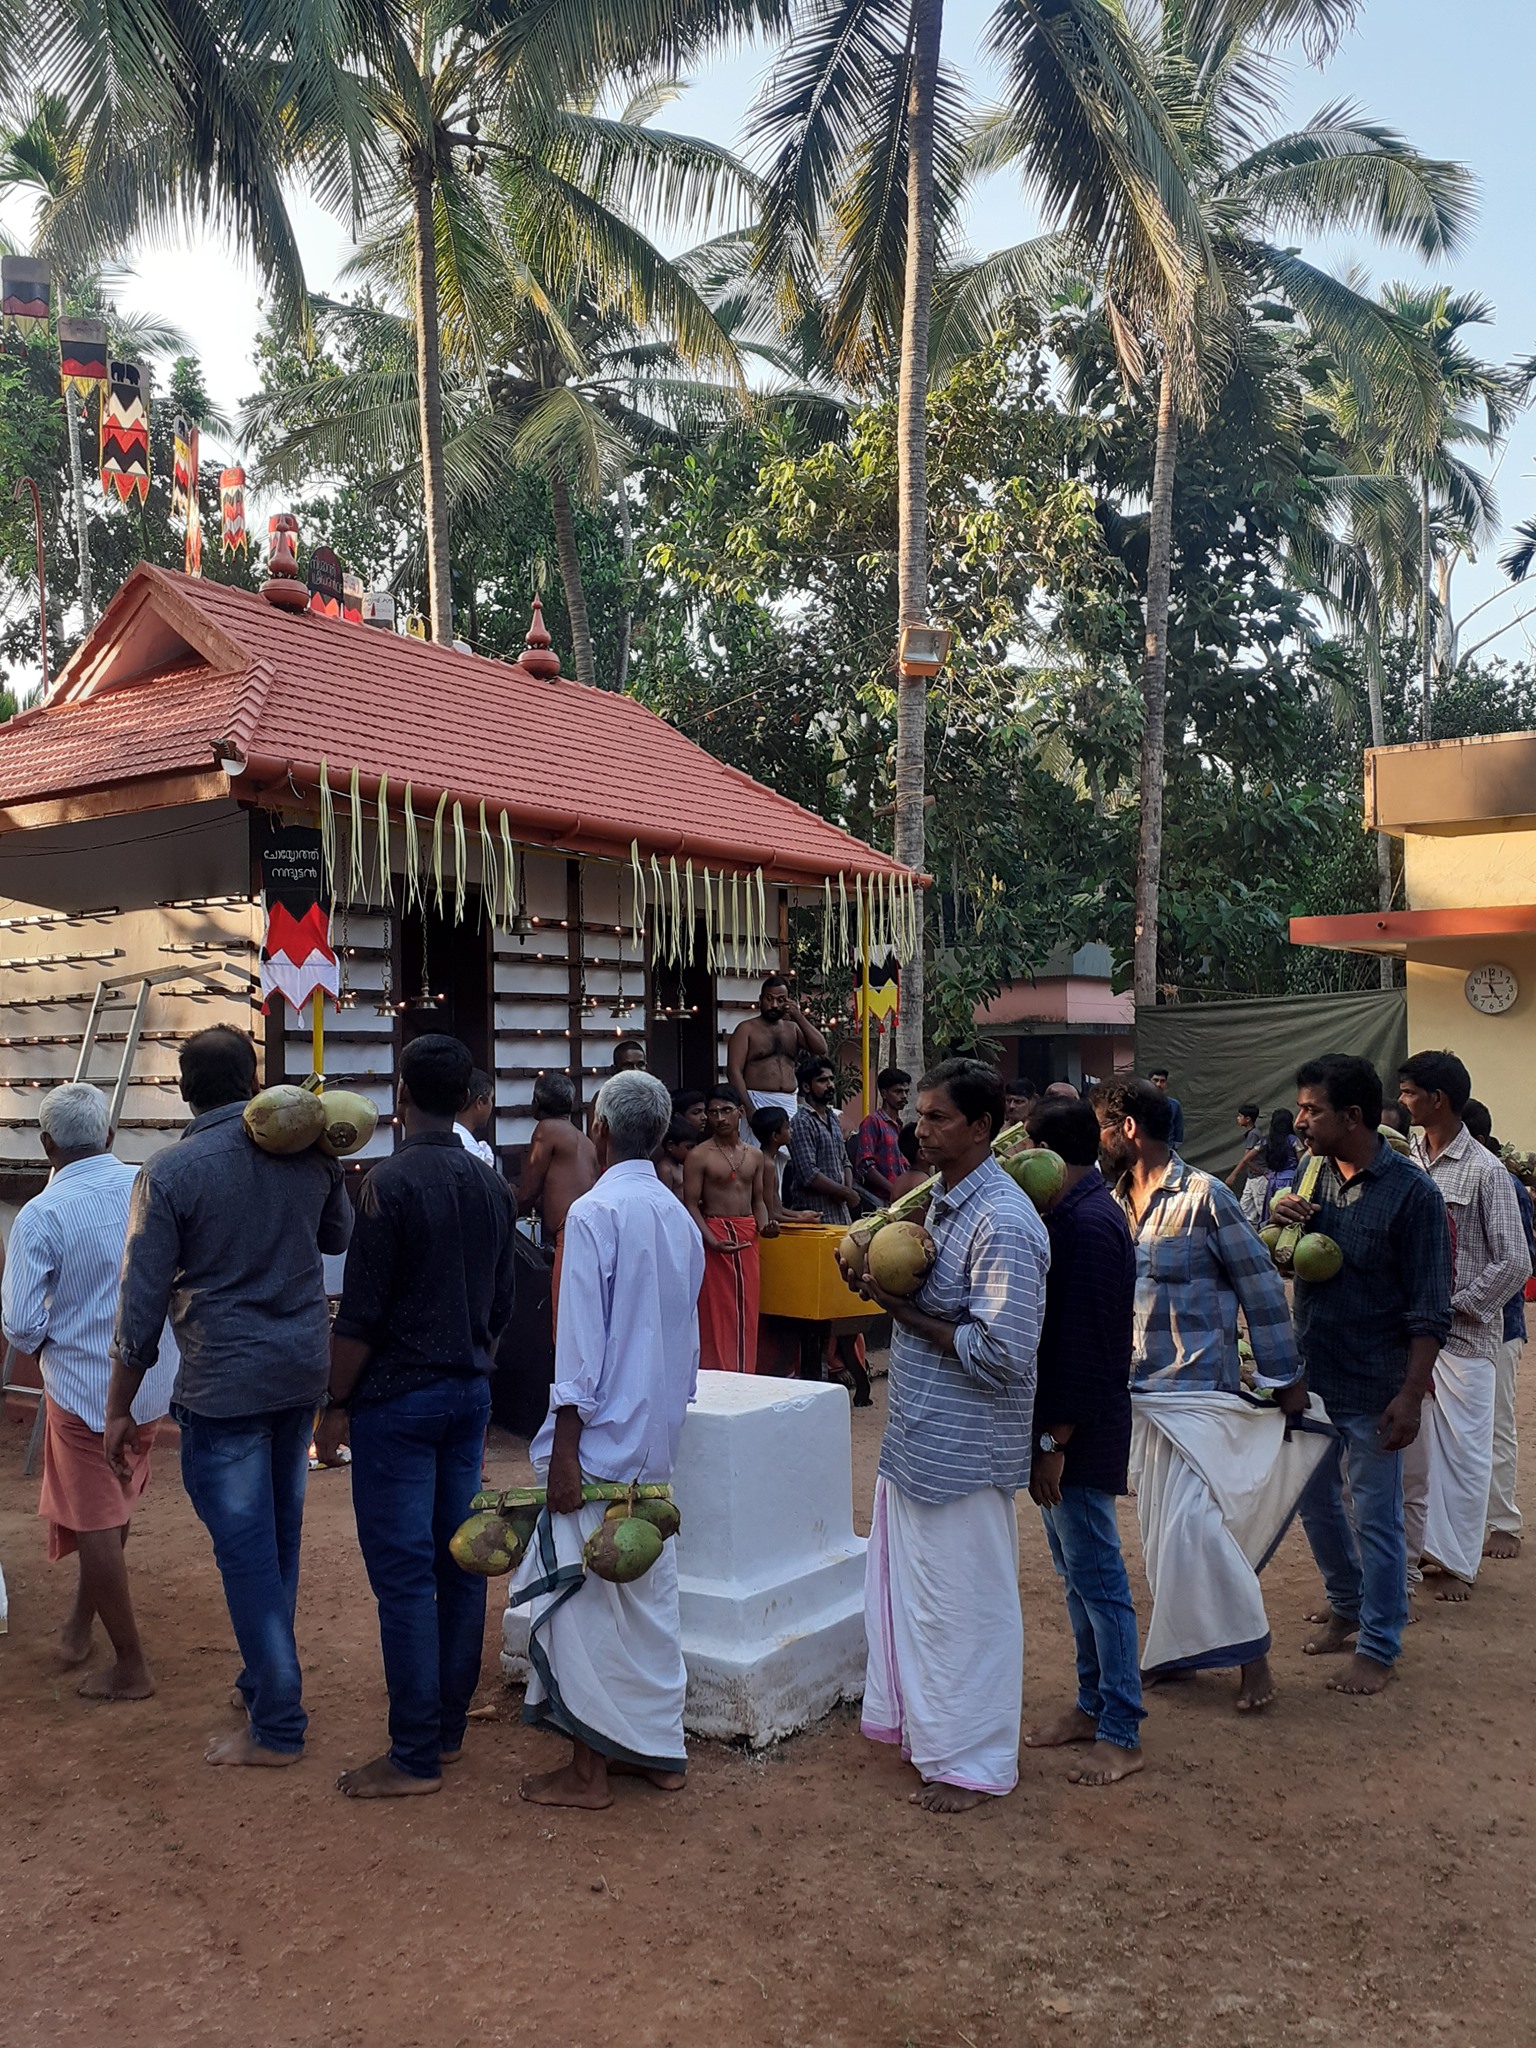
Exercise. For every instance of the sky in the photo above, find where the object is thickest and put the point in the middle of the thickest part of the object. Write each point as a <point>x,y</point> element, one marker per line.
<point>1455,78</point>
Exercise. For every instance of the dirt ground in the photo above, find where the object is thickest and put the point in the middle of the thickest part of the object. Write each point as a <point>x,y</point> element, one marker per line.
<point>1338,1872</point>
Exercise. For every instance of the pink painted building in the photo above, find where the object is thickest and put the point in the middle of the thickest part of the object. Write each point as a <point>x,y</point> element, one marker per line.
<point>1065,1022</point>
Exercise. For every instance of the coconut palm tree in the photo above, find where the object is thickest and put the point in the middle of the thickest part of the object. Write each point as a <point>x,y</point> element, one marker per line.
<point>1159,158</point>
<point>567,340</point>
<point>187,115</point>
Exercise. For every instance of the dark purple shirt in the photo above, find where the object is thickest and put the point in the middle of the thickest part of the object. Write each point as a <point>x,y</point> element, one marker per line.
<point>1084,1365</point>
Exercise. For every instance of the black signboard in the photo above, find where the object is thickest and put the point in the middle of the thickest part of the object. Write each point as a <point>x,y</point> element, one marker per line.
<point>327,578</point>
<point>293,870</point>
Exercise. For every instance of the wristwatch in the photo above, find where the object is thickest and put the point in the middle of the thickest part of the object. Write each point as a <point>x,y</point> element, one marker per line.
<point>1049,1445</point>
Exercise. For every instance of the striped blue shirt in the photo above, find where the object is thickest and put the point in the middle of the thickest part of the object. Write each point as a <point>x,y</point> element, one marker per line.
<point>960,1423</point>
<point>60,1292</point>
<point>1198,1260</point>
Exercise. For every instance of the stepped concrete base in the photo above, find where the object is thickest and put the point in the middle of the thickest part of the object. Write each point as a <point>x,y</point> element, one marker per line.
<point>770,1572</point>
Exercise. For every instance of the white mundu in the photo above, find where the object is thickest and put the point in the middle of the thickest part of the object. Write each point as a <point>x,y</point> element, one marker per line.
<point>607,1660</point>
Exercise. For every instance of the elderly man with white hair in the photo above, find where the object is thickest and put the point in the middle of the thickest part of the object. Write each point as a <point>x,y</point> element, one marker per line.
<point>607,1659</point>
<point>60,1298</point>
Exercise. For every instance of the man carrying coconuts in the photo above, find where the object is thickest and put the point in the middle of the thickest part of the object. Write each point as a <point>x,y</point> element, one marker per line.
<point>607,1652</point>
<point>1216,1475</point>
<point>1368,1338</point>
<point>941,1592</point>
<point>228,1239</point>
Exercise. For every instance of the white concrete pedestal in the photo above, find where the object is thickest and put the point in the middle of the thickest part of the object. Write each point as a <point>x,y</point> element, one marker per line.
<point>771,1575</point>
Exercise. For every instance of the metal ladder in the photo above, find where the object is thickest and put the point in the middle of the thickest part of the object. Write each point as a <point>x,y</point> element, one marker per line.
<point>106,998</point>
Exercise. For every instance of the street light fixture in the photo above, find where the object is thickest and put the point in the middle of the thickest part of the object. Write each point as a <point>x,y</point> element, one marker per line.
<point>923,650</point>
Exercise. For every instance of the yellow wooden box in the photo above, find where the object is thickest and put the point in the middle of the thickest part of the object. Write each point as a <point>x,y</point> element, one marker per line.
<point>800,1277</point>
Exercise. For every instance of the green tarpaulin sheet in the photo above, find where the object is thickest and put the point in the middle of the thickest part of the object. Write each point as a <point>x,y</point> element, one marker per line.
<point>1221,1054</point>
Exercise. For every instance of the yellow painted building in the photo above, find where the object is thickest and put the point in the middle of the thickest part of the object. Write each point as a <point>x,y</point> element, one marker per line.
<point>1465,811</point>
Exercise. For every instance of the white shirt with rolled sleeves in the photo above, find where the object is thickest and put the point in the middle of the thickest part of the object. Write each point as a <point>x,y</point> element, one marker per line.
<point>627,1343</point>
<point>60,1293</point>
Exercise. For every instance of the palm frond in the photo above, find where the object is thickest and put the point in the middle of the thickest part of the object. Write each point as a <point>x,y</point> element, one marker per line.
<point>1518,561</point>
<point>1342,172</point>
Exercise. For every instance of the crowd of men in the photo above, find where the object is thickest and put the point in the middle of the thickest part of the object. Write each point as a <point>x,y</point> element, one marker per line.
<point>1134,1336</point>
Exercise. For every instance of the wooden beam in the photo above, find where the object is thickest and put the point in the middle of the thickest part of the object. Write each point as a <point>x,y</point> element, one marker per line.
<point>122,799</point>
<point>1373,929</point>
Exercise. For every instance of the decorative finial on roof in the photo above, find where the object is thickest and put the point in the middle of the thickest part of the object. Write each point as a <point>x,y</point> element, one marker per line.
<point>284,587</point>
<point>539,657</point>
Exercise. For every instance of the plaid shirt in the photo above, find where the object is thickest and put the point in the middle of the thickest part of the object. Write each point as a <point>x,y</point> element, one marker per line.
<point>956,1424</point>
<point>815,1146</point>
<point>878,1146</point>
<point>1197,1261</point>
<point>1491,1260</point>
<point>1395,1284</point>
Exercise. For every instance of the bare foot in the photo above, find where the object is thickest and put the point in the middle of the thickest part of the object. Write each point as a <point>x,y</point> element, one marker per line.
<point>381,1780</point>
<point>566,1788</point>
<point>1501,1544</point>
<point>1361,1676</point>
<point>937,1798</point>
<point>238,1700</point>
<point>451,1756</point>
<point>1072,1726</point>
<point>1317,1618</point>
<point>1456,1591</point>
<point>664,1781</point>
<point>1150,1678</point>
<point>75,1645</point>
<point>1336,1636</point>
<point>1413,1612</point>
<point>245,1749</point>
<point>114,1683</point>
<point>1105,1764</point>
<point>1257,1689</point>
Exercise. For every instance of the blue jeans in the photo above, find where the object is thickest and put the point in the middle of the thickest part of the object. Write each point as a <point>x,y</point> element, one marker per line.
<point>1359,1547</point>
<point>1085,1549</point>
<point>245,1475</point>
<point>416,1464</point>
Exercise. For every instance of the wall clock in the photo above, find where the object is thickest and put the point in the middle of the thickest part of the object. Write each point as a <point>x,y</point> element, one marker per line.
<point>1491,989</point>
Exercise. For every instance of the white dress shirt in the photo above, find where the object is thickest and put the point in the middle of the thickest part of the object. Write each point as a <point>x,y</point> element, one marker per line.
<point>476,1145</point>
<point>627,1349</point>
<point>60,1292</point>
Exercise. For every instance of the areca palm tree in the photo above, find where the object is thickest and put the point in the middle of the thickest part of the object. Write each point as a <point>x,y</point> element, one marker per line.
<point>1455,500</point>
<point>1161,161</point>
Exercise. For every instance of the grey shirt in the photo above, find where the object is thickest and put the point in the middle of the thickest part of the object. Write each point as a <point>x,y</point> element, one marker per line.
<point>228,1240</point>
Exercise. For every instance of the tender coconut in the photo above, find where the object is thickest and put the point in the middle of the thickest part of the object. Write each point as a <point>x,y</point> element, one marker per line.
<point>1316,1257</point>
<point>623,1549</point>
<point>487,1545</point>
<point>284,1119</point>
<point>350,1121</point>
<point>901,1258</point>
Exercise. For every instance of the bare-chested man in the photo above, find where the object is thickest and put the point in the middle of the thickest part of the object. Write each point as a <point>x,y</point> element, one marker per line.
<point>561,1164</point>
<point>764,1050</point>
<point>725,1185</point>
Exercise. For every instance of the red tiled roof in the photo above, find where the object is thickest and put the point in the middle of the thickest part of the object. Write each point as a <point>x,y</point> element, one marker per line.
<point>572,766</point>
